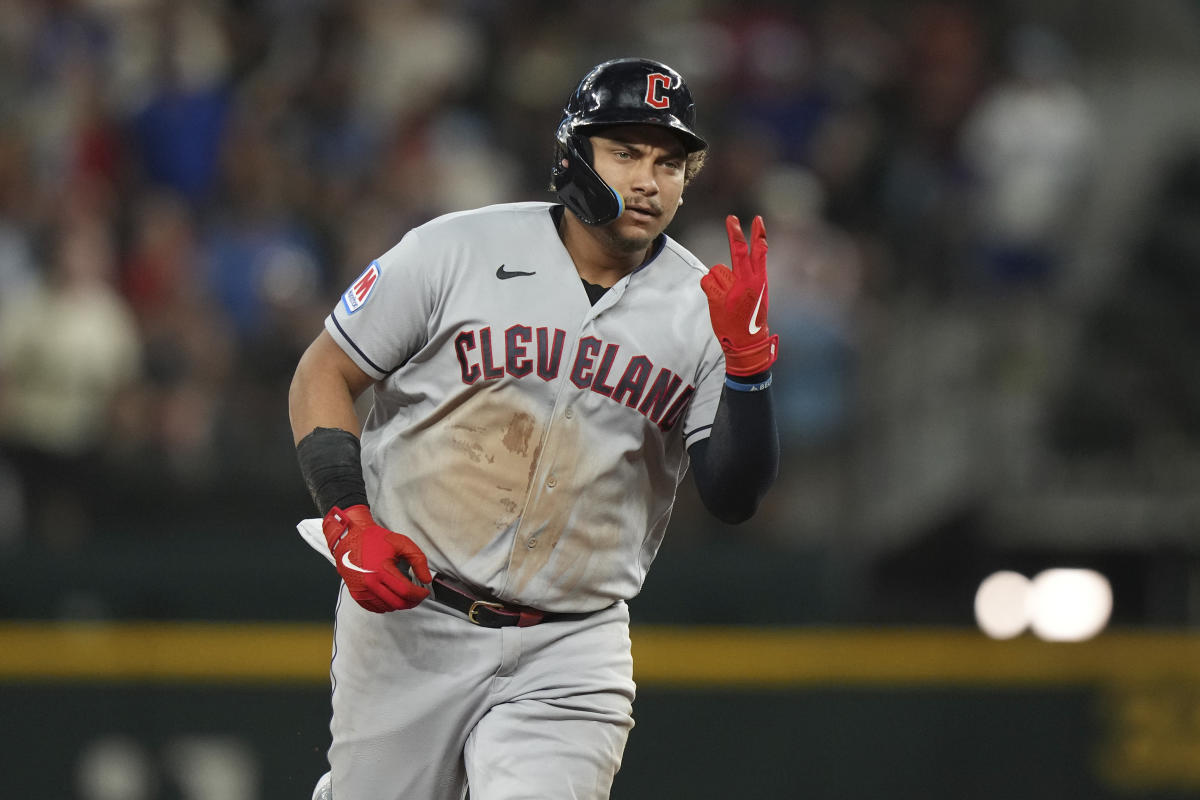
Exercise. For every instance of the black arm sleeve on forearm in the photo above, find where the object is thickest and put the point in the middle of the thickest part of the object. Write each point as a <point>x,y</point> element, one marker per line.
<point>331,463</point>
<point>736,465</point>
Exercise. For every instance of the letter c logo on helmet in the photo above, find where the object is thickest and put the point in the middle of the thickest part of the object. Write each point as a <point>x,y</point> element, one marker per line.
<point>656,83</point>
<point>624,91</point>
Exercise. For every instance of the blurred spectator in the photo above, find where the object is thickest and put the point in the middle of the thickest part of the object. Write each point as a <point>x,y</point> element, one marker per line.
<point>412,56</point>
<point>257,228</point>
<point>312,65</point>
<point>16,189</point>
<point>188,344</point>
<point>815,295</point>
<point>180,127</point>
<point>921,182</point>
<point>816,304</point>
<point>1028,147</point>
<point>781,90</point>
<point>67,352</point>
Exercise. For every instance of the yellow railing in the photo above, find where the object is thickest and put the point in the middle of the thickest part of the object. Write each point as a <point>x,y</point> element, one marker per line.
<point>297,654</point>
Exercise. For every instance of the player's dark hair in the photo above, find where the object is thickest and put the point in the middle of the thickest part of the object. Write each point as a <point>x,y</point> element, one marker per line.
<point>695,163</point>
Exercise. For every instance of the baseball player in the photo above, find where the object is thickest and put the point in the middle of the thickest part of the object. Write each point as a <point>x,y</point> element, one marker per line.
<point>543,374</point>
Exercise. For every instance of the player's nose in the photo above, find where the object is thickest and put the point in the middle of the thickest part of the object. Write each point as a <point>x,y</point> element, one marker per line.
<point>644,179</point>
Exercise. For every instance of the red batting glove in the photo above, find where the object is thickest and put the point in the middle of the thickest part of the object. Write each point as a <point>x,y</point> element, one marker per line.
<point>367,558</point>
<point>737,302</point>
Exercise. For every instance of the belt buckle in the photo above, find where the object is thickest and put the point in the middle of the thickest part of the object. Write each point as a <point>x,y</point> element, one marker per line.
<point>474,609</point>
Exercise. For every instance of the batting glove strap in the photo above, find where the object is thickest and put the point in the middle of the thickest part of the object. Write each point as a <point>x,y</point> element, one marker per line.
<point>751,359</point>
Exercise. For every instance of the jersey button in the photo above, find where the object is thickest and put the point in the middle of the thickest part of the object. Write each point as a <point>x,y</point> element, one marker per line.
<point>569,413</point>
<point>531,542</point>
<point>552,482</point>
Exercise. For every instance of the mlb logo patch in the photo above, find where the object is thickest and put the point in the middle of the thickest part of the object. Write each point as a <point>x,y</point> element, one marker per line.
<point>361,289</point>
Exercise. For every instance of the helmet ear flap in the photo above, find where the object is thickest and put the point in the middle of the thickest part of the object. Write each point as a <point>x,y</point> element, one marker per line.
<point>578,185</point>
<point>583,146</point>
<point>569,147</point>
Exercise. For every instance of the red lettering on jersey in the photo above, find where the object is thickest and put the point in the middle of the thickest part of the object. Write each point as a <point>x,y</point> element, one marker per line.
<point>633,382</point>
<point>490,370</point>
<point>515,360</point>
<point>598,384</point>
<point>660,394</point>
<point>662,404</point>
<point>676,411</point>
<point>656,84</point>
<point>462,343</point>
<point>581,373</point>
<point>549,354</point>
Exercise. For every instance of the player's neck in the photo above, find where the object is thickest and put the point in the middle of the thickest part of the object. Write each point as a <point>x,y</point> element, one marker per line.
<point>596,259</point>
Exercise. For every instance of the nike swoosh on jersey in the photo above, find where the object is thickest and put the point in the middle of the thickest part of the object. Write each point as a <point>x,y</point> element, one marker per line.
<point>348,563</point>
<point>753,327</point>
<point>504,274</point>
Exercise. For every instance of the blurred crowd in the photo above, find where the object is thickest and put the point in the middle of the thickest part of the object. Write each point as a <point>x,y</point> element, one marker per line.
<point>186,187</point>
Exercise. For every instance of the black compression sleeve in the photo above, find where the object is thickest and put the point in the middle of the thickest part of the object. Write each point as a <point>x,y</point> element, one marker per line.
<point>331,463</point>
<point>736,465</point>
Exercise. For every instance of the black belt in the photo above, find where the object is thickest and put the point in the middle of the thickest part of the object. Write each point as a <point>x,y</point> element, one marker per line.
<point>492,613</point>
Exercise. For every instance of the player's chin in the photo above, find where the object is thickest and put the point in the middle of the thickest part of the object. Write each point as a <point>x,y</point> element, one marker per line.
<point>628,242</point>
<point>634,233</point>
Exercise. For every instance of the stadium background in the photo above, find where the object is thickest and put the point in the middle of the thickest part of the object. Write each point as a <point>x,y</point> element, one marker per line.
<point>985,232</point>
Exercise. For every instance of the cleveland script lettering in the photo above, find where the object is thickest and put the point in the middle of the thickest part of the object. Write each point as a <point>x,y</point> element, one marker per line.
<point>593,368</point>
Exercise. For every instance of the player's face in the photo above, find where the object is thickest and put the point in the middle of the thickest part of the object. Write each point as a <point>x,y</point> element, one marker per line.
<point>646,165</point>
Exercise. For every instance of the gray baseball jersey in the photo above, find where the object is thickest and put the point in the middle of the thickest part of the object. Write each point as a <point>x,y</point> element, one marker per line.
<point>529,442</point>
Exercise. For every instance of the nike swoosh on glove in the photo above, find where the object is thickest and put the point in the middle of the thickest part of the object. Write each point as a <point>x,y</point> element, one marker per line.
<point>738,299</point>
<point>369,558</point>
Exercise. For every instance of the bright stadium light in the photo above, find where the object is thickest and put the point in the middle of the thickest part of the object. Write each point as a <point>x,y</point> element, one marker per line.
<point>1069,605</point>
<point>1002,604</point>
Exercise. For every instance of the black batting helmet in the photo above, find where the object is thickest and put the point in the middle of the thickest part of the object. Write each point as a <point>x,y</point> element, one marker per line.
<point>624,91</point>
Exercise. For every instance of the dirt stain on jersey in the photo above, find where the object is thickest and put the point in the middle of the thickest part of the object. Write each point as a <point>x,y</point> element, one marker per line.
<point>551,550</point>
<point>472,450</point>
<point>468,473</point>
<point>531,555</point>
<point>517,433</point>
<point>533,465</point>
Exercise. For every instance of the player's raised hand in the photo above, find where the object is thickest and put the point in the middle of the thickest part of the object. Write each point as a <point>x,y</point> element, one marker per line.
<point>737,301</point>
<point>367,555</point>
